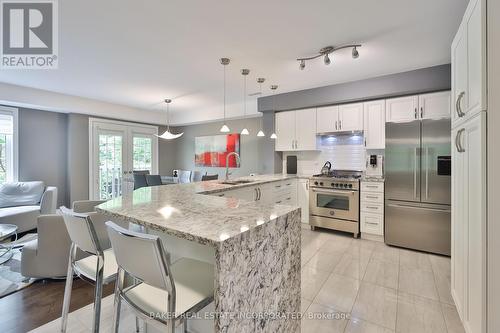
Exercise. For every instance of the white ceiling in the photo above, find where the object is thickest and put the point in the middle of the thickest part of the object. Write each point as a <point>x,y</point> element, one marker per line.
<point>136,53</point>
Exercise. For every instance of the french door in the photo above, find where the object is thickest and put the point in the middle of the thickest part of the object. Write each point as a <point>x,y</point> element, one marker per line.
<point>117,149</point>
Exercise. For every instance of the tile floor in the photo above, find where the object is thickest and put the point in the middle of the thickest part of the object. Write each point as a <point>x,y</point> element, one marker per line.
<point>358,285</point>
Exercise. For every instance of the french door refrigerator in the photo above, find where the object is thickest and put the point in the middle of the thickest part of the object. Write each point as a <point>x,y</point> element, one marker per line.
<point>418,185</point>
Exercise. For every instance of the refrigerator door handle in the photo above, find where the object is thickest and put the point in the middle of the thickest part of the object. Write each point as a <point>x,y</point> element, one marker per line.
<point>444,210</point>
<point>427,172</point>
<point>415,174</point>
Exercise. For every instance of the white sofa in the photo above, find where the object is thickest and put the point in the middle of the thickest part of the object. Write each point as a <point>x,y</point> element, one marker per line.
<point>22,202</point>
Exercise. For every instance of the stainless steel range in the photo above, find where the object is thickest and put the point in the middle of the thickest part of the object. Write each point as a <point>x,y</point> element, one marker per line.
<point>334,201</point>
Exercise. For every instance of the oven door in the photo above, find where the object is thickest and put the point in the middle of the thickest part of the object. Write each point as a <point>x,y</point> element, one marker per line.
<point>339,204</point>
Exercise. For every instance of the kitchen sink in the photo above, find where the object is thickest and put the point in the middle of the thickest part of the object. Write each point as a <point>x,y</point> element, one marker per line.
<point>236,182</point>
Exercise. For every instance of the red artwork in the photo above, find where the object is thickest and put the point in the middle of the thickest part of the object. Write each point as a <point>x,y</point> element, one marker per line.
<point>211,151</point>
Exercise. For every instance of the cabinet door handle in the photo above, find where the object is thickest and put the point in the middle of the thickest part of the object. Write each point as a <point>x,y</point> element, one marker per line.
<point>458,141</point>
<point>421,112</point>
<point>458,105</point>
<point>416,116</point>
<point>336,128</point>
<point>256,194</point>
<point>340,124</point>
<point>371,197</point>
<point>372,223</point>
<point>260,193</point>
<point>371,207</point>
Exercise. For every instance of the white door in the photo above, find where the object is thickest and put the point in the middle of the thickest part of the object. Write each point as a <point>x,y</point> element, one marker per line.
<point>351,117</point>
<point>285,130</point>
<point>374,124</point>
<point>435,105</point>
<point>402,109</point>
<point>305,129</point>
<point>459,74</point>
<point>327,119</point>
<point>303,199</point>
<point>116,150</point>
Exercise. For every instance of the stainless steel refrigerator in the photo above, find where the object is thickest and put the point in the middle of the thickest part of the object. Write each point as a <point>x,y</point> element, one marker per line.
<point>418,185</point>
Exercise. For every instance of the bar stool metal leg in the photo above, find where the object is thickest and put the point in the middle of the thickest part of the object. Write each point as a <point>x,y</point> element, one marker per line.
<point>98,294</point>
<point>67,291</point>
<point>117,303</point>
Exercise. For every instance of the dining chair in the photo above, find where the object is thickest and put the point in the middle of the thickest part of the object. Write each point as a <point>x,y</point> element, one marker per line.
<point>153,180</point>
<point>98,268</point>
<point>209,177</point>
<point>167,293</point>
<point>140,181</point>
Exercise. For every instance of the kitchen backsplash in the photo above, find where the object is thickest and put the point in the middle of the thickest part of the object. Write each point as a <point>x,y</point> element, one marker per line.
<point>345,152</point>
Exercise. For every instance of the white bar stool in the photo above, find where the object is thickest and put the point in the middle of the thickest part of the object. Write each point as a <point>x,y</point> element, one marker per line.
<point>99,268</point>
<point>167,293</point>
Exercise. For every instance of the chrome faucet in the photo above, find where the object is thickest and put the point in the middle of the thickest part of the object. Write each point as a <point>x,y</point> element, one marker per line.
<point>238,161</point>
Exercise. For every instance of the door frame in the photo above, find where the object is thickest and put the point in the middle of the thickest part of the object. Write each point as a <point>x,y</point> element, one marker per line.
<point>130,128</point>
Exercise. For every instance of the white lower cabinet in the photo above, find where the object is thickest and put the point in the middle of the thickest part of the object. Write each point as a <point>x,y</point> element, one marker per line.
<point>468,248</point>
<point>372,208</point>
<point>303,199</point>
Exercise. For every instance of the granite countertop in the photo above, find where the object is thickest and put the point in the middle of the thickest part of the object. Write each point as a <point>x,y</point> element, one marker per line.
<point>187,211</point>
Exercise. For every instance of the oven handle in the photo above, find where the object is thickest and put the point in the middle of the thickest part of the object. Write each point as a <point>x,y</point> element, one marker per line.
<point>332,191</point>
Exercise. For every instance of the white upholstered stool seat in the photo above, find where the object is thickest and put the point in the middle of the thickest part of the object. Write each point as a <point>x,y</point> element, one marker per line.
<point>87,266</point>
<point>194,282</point>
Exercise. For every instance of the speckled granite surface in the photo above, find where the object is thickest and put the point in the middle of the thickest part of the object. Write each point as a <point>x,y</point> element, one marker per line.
<point>257,247</point>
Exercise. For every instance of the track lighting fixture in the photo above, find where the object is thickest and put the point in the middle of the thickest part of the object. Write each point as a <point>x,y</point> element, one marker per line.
<point>326,51</point>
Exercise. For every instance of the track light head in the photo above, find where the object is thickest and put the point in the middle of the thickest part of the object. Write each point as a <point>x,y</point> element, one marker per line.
<point>302,64</point>
<point>355,53</point>
<point>327,59</point>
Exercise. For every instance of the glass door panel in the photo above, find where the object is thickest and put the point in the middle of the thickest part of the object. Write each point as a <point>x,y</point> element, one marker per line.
<point>110,164</point>
<point>142,158</point>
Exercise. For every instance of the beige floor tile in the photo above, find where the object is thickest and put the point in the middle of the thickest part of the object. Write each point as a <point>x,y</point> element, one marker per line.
<point>441,265</point>
<point>364,244</point>
<point>443,287</point>
<point>306,255</point>
<point>384,252</point>
<point>311,282</point>
<point>304,304</point>
<point>414,259</point>
<point>353,264</point>
<point>451,318</point>
<point>325,261</point>
<point>336,244</point>
<point>376,304</point>
<point>338,292</point>
<point>417,282</point>
<point>419,315</point>
<point>356,325</point>
<point>321,319</point>
<point>382,273</point>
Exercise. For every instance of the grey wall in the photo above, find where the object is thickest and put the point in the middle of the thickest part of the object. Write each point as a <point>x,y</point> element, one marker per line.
<point>42,149</point>
<point>408,83</point>
<point>179,153</point>
<point>78,157</point>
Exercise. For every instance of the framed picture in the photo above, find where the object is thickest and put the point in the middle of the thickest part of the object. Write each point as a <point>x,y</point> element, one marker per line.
<point>211,151</point>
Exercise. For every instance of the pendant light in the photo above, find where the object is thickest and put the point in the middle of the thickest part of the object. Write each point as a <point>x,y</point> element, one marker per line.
<point>245,72</point>
<point>167,135</point>
<point>260,80</point>
<point>273,88</point>
<point>224,62</point>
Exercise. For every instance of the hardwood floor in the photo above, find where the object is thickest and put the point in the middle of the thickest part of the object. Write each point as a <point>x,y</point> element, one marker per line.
<point>41,303</point>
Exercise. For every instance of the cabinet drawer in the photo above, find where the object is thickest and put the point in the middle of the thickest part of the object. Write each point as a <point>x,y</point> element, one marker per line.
<point>372,187</point>
<point>372,223</point>
<point>372,197</point>
<point>374,208</point>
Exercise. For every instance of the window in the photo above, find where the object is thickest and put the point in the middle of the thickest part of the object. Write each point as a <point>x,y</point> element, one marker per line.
<point>8,144</point>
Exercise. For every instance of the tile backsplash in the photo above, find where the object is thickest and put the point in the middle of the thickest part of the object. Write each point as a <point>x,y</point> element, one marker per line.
<point>345,152</point>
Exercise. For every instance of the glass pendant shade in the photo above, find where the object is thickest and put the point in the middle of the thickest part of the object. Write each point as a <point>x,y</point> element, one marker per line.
<point>273,136</point>
<point>245,132</point>
<point>225,129</point>
<point>261,133</point>
<point>167,135</point>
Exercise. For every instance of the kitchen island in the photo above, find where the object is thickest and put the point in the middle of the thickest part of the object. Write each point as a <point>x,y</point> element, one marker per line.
<point>255,247</point>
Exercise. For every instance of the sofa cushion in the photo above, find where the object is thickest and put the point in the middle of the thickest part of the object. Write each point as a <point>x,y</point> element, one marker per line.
<point>21,194</point>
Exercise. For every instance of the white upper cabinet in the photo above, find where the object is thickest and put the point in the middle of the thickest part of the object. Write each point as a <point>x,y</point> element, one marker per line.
<point>435,105</point>
<point>401,109</point>
<point>374,124</point>
<point>296,130</point>
<point>327,119</point>
<point>468,64</point>
<point>305,129</point>
<point>339,118</point>
<point>351,117</point>
<point>285,131</point>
